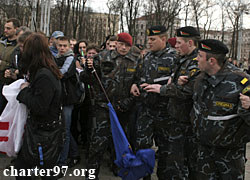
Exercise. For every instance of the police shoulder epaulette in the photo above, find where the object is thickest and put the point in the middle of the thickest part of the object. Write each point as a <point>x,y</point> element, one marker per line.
<point>193,72</point>
<point>246,90</point>
<point>244,81</point>
<point>246,85</point>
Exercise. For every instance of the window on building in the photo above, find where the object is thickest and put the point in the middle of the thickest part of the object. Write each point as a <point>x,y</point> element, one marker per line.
<point>141,33</point>
<point>141,26</point>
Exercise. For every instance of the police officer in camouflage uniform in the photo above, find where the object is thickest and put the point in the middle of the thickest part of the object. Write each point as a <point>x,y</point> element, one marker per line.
<point>181,148</point>
<point>221,124</point>
<point>156,67</point>
<point>116,69</point>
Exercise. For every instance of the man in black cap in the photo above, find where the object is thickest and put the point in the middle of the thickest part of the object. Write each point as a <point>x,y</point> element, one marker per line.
<point>156,67</point>
<point>220,122</point>
<point>181,148</point>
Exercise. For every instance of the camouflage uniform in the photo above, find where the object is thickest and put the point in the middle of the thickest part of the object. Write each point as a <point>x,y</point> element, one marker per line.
<point>152,120</point>
<point>220,123</point>
<point>180,147</point>
<point>117,75</point>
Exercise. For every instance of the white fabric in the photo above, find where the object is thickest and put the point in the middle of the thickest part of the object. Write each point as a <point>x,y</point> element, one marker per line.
<point>218,118</point>
<point>16,114</point>
<point>161,79</point>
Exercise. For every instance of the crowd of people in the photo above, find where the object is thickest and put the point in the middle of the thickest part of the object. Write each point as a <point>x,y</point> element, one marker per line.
<point>181,94</point>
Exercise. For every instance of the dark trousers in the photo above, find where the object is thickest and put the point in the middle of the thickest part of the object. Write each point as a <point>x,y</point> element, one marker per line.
<point>21,163</point>
<point>221,163</point>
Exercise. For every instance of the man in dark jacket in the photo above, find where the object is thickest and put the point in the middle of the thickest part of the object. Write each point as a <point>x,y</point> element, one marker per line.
<point>180,105</point>
<point>7,46</point>
<point>116,69</point>
<point>66,63</point>
<point>220,121</point>
<point>153,118</point>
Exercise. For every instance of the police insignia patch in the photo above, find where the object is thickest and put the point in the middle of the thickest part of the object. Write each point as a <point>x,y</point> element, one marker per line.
<point>243,81</point>
<point>224,104</point>
<point>148,32</point>
<point>155,31</point>
<point>192,72</point>
<point>184,33</point>
<point>246,89</point>
<point>130,70</point>
<point>163,68</point>
<point>203,46</point>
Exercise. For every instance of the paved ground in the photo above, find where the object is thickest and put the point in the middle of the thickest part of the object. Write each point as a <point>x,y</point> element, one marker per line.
<point>105,172</point>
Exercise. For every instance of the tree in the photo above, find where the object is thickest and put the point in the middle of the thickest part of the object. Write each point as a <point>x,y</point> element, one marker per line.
<point>162,12</point>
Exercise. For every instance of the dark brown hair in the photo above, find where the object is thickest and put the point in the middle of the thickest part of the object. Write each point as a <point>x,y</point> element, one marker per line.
<point>112,38</point>
<point>36,55</point>
<point>16,22</point>
<point>63,38</point>
<point>195,39</point>
<point>219,57</point>
<point>93,46</point>
<point>24,36</point>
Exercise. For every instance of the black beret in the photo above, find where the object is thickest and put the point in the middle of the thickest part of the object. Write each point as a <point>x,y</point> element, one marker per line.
<point>156,30</point>
<point>213,46</point>
<point>187,31</point>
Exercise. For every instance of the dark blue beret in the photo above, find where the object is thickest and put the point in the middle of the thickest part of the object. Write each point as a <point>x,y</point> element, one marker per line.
<point>187,31</point>
<point>156,30</point>
<point>213,46</point>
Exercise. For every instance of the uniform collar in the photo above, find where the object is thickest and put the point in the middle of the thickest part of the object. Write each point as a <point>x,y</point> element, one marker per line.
<point>192,55</point>
<point>115,54</point>
<point>214,80</point>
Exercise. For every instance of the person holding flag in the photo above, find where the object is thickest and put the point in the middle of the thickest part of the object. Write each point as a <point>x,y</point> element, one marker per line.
<point>116,70</point>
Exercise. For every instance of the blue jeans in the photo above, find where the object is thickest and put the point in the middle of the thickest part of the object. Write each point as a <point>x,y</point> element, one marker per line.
<point>70,142</point>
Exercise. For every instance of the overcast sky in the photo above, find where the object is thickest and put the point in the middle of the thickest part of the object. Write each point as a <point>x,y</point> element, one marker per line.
<point>100,6</point>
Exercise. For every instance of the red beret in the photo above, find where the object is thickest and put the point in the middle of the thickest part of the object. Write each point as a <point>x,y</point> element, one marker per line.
<point>172,42</point>
<point>125,37</point>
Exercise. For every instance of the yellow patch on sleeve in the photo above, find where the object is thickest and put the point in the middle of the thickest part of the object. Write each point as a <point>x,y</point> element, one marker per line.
<point>224,104</point>
<point>163,68</point>
<point>192,72</point>
<point>245,90</point>
<point>195,59</point>
<point>130,70</point>
<point>243,81</point>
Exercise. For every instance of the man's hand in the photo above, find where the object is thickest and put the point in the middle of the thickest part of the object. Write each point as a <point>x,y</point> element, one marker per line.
<point>90,62</point>
<point>245,101</point>
<point>83,60</point>
<point>135,90</point>
<point>169,81</point>
<point>182,80</point>
<point>9,73</point>
<point>151,87</point>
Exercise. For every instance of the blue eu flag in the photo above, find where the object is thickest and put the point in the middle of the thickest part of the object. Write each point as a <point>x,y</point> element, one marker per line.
<point>132,166</point>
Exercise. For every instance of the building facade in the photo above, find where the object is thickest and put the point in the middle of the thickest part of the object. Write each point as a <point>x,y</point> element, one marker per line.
<point>228,35</point>
<point>142,23</point>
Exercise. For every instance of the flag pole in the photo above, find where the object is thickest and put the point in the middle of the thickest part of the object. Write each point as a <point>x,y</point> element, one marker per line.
<point>98,79</point>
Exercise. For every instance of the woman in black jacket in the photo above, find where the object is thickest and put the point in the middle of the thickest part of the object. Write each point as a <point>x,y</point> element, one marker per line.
<point>43,138</point>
